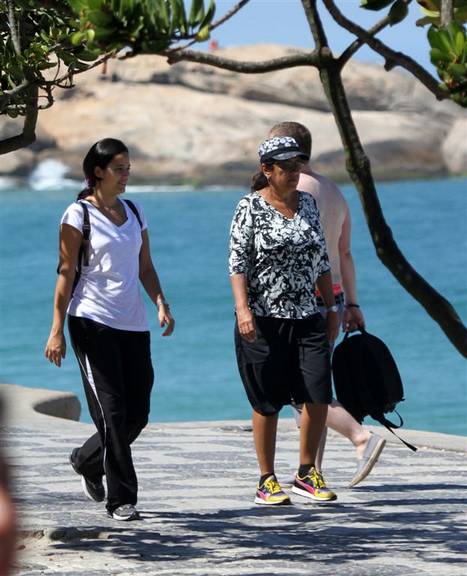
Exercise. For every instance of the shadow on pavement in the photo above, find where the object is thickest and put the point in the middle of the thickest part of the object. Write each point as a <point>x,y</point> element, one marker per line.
<point>327,535</point>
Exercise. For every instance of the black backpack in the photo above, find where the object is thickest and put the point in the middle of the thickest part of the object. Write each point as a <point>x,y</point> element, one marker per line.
<point>83,255</point>
<point>366,379</point>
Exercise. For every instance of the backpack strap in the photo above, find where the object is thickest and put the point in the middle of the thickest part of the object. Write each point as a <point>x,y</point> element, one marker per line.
<point>83,254</point>
<point>84,249</point>
<point>133,208</point>
<point>389,426</point>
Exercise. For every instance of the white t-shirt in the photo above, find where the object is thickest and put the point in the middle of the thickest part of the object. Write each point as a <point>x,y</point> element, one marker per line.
<point>108,290</point>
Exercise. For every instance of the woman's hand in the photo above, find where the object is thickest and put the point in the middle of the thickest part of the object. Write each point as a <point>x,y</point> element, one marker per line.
<point>246,324</point>
<point>332,326</point>
<point>55,348</point>
<point>166,319</point>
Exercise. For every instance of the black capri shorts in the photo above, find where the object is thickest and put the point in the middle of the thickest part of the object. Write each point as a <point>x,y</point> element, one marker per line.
<point>288,363</point>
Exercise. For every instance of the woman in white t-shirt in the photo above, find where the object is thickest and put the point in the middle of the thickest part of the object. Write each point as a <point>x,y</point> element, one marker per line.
<point>107,322</point>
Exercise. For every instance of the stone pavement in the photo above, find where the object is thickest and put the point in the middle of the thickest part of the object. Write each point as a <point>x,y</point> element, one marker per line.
<point>197,483</point>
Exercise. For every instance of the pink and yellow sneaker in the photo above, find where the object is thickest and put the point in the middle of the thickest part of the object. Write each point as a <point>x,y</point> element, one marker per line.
<point>313,486</point>
<point>270,493</point>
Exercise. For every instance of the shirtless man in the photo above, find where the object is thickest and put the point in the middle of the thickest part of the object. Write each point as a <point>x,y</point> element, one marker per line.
<point>335,218</point>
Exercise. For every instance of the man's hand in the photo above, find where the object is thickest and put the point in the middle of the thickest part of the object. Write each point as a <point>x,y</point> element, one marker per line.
<point>352,319</point>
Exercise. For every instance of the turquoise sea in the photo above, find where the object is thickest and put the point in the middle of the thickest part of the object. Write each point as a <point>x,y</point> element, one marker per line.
<point>196,377</point>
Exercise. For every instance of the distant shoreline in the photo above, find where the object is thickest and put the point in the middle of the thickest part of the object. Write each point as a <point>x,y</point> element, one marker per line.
<point>152,186</point>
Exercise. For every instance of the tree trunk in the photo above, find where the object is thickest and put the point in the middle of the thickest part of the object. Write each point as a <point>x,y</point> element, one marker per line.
<point>28,135</point>
<point>358,167</point>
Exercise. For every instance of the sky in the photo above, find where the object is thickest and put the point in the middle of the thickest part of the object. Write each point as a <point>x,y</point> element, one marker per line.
<point>284,22</point>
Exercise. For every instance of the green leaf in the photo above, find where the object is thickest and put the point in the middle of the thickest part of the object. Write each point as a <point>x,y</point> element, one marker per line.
<point>89,55</point>
<point>438,55</point>
<point>444,40</point>
<point>460,43</point>
<point>196,13</point>
<point>77,5</point>
<point>179,16</point>
<point>164,14</point>
<point>77,38</point>
<point>459,71</point>
<point>46,65</point>
<point>95,4</point>
<point>104,33</point>
<point>209,15</point>
<point>453,29</point>
<point>98,18</point>
<point>434,38</point>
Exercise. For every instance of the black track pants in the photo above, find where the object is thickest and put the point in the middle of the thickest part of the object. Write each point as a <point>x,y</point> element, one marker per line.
<point>117,375</point>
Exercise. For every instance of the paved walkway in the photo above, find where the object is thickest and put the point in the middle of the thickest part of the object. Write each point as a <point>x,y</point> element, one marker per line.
<point>197,485</point>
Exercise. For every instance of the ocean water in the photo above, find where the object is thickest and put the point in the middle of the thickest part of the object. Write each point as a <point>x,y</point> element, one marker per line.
<point>196,376</point>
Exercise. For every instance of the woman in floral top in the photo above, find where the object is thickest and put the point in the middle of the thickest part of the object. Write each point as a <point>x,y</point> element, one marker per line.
<point>277,255</point>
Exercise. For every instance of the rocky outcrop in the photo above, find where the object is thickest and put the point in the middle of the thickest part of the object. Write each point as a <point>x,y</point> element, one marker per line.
<point>455,147</point>
<point>196,124</point>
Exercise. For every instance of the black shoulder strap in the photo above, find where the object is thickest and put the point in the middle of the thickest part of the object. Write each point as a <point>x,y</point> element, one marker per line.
<point>134,210</point>
<point>84,249</point>
<point>83,254</point>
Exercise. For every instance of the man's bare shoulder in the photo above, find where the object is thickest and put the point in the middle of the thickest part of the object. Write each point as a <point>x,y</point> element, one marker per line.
<point>317,185</point>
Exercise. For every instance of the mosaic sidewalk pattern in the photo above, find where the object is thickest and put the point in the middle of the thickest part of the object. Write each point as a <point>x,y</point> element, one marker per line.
<point>197,485</point>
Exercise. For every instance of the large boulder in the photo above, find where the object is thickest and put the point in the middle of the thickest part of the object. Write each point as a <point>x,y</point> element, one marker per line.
<point>455,147</point>
<point>196,124</point>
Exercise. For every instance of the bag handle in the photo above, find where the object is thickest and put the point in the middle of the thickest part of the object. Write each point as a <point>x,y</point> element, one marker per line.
<point>362,331</point>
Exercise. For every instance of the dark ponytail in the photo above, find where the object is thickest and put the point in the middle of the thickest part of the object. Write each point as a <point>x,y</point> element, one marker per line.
<point>259,180</point>
<point>100,155</point>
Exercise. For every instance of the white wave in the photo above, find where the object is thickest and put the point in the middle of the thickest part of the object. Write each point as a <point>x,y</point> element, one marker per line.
<point>158,188</point>
<point>8,182</point>
<point>155,188</point>
<point>51,174</point>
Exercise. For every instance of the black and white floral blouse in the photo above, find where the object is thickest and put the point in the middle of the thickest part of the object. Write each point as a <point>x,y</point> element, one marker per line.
<point>282,258</point>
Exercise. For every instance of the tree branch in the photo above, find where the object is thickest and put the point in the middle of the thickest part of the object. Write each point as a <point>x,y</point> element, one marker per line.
<point>316,26</point>
<point>28,135</point>
<point>392,57</point>
<point>357,44</point>
<point>447,12</point>
<point>13,28</point>
<point>228,14</point>
<point>314,58</point>
<point>69,75</point>
<point>7,95</point>
<point>358,166</point>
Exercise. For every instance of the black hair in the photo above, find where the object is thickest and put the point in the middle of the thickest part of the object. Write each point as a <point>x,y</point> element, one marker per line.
<point>297,131</point>
<point>259,180</point>
<point>99,155</point>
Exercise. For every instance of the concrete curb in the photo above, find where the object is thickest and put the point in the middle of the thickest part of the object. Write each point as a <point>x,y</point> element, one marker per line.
<point>38,406</point>
<point>48,408</point>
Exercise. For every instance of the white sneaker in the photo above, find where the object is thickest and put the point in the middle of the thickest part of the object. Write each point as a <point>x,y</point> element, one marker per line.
<point>371,454</point>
